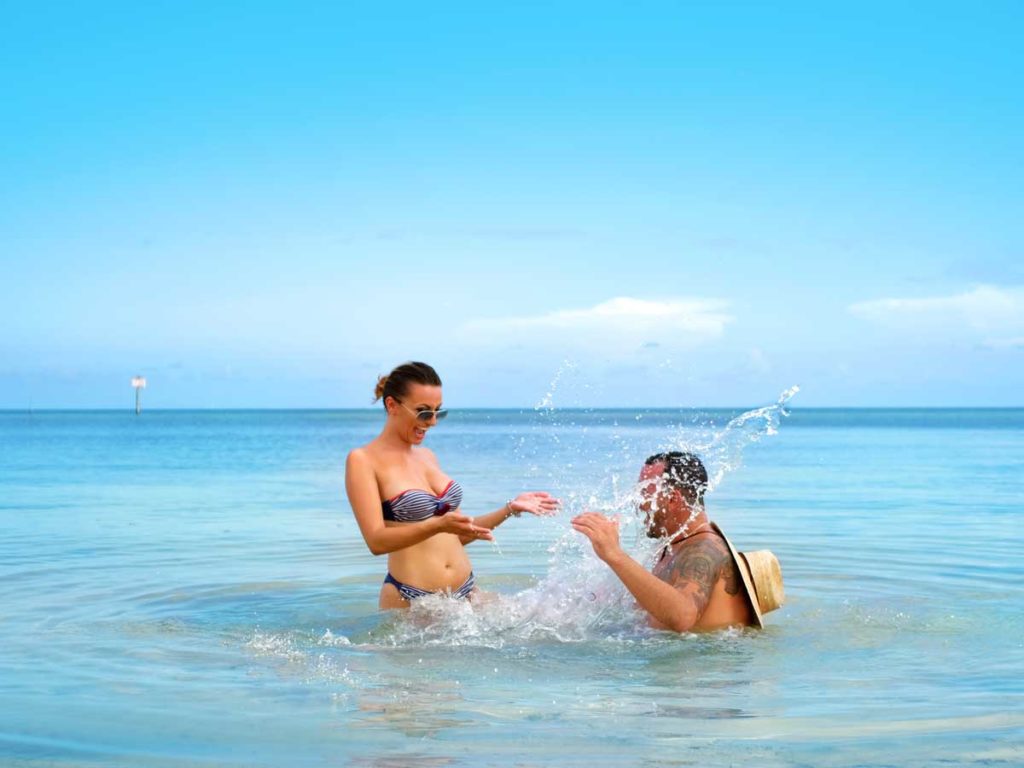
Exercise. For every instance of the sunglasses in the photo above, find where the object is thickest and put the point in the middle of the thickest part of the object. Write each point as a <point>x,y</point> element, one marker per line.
<point>425,416</point>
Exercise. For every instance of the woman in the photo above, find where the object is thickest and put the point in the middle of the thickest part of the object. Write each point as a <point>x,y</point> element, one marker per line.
<point>405,504</point>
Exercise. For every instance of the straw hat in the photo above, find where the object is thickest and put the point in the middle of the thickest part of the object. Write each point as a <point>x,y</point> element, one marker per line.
<point>762,578</point>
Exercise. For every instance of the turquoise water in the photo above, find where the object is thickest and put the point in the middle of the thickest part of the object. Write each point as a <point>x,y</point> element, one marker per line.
<point>190,589</point>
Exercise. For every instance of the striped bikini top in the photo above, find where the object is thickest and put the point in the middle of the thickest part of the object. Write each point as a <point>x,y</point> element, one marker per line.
<point>414,505</point>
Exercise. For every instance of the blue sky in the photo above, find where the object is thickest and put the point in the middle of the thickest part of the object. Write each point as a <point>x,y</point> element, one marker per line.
<point>654,204</point>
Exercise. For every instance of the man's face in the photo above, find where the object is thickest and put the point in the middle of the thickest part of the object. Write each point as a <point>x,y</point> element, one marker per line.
<point>658,501</point>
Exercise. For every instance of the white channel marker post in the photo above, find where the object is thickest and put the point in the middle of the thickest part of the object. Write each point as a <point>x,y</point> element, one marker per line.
<point>139,382</point>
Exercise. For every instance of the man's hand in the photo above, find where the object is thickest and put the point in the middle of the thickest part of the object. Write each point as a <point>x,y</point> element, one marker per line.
<point>603,533</point>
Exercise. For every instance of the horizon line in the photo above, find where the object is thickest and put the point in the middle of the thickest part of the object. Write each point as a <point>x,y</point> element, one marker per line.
<point>525,408</point>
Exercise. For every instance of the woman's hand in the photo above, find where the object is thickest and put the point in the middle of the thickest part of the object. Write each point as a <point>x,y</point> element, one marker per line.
<point>603,533</point>
<point>462,526</point>
<point>535,502</point>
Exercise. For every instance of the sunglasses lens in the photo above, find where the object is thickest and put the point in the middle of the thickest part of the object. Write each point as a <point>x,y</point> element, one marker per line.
<point>426,416</point>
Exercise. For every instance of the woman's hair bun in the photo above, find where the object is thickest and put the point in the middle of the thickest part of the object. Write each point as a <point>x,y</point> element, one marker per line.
<point>378,391</point>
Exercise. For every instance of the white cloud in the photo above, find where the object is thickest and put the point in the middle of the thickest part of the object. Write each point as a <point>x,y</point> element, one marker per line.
<point>623,324</point>
<point>1017,343</point>
<point>983,308</point>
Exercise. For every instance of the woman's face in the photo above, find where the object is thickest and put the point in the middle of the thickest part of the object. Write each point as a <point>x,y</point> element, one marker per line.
<point>417,399</point>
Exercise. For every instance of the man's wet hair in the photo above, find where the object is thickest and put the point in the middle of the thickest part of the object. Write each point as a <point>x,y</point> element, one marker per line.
<point>685,472</point>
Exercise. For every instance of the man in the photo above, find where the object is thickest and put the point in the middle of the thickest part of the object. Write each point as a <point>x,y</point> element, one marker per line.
<point>699,582</point>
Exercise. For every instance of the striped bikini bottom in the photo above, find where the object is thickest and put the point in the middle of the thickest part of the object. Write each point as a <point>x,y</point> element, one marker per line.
<point>411,593</point>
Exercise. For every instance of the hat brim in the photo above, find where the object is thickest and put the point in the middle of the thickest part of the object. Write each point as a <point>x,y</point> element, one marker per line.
<point>748,583</point>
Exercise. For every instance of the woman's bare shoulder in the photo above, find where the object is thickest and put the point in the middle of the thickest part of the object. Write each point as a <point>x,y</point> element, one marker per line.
<point>360,457</point>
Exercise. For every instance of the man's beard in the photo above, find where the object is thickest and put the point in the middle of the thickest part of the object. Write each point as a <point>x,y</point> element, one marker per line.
<point>654,531</point>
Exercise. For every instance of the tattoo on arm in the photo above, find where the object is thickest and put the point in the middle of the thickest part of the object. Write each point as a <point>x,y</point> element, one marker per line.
<point>730,576</point>
<point>696,569</point>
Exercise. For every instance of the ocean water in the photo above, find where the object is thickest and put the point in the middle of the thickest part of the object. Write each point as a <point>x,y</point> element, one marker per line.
<point>190,589</point>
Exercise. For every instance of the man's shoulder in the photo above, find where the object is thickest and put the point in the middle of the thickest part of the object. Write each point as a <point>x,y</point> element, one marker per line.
<point>704,544</point>
<point>705,559</point>
<point>700,557</point>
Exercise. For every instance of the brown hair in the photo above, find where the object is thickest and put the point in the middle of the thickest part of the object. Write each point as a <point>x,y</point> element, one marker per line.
<point>396,383</point>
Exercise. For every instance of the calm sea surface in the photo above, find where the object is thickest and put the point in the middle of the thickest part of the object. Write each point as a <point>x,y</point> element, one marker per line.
<point>190,589</point>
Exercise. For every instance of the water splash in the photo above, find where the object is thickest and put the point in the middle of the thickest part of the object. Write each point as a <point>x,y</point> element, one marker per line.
<point>722,450</point>
<point>567,368</point>
<point>306,656</point>
<point>589,605</point>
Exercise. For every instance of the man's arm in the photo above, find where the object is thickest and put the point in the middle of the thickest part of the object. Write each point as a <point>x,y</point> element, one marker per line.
<point>675,604</point>
<point>694,571</point>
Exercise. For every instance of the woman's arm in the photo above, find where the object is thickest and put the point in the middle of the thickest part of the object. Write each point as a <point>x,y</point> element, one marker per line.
<point>490,521</point>
<point>361,486</point>
<point>534,502</point>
